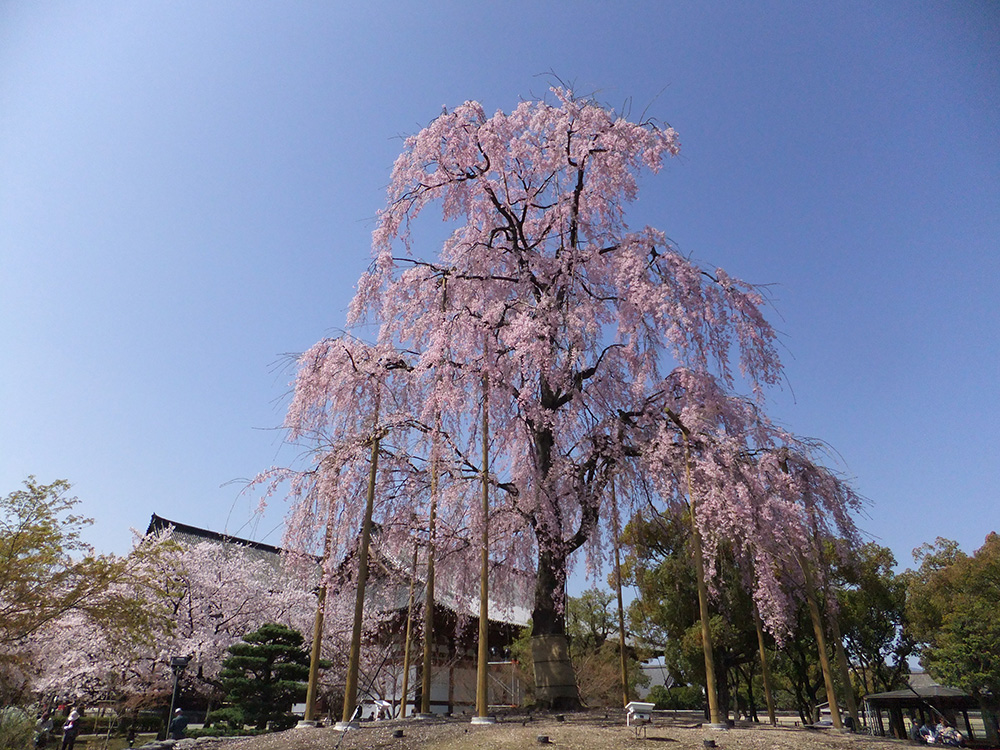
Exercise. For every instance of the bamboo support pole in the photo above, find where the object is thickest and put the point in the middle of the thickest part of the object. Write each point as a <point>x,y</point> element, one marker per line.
<point>622,658</point>
<point>309,718</point>
<point>482,686</point>
<point>714,713</point>
<point>765,670</point>
<point>354,659</point>
<point>842,667</point>
<point>408,636</point>
<point>818,630</point>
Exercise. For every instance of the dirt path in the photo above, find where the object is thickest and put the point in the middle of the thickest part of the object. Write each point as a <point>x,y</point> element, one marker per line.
<point>592,731</point>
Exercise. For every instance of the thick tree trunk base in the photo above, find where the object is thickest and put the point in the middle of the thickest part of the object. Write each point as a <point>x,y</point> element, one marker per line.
<point>555,679</point>
<point>989,714</point>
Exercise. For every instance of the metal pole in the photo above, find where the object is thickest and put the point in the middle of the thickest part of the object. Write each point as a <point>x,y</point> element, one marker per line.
<point>173,698</point>
<point>177,665</point>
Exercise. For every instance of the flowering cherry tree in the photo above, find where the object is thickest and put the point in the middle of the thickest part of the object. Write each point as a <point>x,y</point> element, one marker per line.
<point>217,593</point>
<point>603,352</point>
<point>200,598</point>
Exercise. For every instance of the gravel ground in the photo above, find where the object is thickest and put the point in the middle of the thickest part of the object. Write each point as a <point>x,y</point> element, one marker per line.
<point>594,731</point>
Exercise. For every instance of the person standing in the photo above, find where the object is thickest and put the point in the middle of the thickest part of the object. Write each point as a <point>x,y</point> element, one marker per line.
<point>178,725</point>
<point>71,728</point>
<point>43,730</point>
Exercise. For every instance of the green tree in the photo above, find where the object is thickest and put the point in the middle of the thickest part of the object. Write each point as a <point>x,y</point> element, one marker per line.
<point>592,628</point>
<point>590,619</point>
<point>264,675</point>
<point>871,599</point>
<point>796,668</point>
<point>952,612</point>
<point>681,698</point>
<point>16,728</point>
<point>658,561</point>
<point>47,571</point>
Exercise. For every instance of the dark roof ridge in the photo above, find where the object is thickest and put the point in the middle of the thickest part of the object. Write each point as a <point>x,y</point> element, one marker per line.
<point>158,523</point>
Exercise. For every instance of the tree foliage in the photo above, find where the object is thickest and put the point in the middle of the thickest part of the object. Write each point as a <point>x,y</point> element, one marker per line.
<point>952,609</point>
<point>871,603</point>
<point>47,573</point>
<point>591,619</point>
<point>677,698</point>
<point>197,599</point>
<point>45,567</point>
<point>862,590</point>
<point>17,728</point>
<point>265,674</point>
<point>592,627</point>
<point>605,354</point>
<point>658,562</point>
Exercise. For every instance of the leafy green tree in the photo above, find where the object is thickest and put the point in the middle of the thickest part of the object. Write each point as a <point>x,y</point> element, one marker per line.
<point>16,728</point>
<point>592,628</point>
<point>591,619</point>
<point>796,669</point>
<point>264,675</point>
<point>658,561</point>
<point>47,572</point>
<point>871,600</point>
<point>678,698</point>
<point>952,609</point>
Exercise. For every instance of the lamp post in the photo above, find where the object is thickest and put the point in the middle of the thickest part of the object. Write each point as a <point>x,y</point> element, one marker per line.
<point>177,665</point>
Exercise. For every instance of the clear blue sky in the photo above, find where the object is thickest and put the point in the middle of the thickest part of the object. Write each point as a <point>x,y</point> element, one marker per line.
<point>187,192</point>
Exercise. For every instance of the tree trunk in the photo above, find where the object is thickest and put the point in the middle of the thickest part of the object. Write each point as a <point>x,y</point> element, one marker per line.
<point>765,671</point>
<point>555,679</point>
<point>989,714</point>
<point>428,641</point>
<point>845,674</point>
<point>824,661</point>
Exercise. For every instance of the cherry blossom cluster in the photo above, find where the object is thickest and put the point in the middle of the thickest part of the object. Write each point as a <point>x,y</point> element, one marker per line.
<point>200,598</point>
<point>600,353</point>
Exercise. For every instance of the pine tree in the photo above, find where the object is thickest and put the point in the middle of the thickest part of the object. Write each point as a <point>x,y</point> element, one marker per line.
<point>264,675</point>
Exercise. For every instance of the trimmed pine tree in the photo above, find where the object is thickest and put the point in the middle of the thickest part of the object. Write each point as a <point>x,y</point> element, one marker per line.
<point>263,676</point>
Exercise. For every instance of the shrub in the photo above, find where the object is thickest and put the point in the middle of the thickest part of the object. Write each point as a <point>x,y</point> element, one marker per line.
<point>144,723</point>
<point>222,731</point>
<point>231,716</point>
<point>281,723</point>
<point>17,729</point>
<point>681,698</point>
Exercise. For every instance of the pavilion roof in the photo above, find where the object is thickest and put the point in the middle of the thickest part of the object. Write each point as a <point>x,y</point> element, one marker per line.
<point>938,696</point>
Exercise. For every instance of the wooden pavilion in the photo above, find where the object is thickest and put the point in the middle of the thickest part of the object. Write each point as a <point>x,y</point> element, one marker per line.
<point>924,703</point>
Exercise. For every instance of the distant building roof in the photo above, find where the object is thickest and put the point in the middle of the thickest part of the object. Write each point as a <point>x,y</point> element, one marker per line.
<point>394,584</point>
<point>921,679</point>
<point>923,690</point>
<point>158,523</point>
